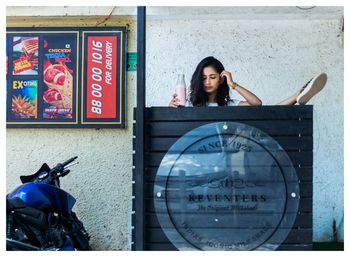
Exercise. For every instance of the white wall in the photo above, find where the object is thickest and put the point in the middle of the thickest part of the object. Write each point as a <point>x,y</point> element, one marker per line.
<point>272,53</point>
<point>102,182</point>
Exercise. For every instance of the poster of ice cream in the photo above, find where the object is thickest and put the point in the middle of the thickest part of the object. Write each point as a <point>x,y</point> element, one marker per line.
<point>25,55</point>
<point>24,99</point>
<point>58,77</point>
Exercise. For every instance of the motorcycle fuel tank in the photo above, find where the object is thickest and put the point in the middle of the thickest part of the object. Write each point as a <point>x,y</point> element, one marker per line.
<point>44,196</point>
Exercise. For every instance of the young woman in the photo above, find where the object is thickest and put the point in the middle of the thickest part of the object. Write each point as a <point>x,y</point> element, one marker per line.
<point>210,85</point>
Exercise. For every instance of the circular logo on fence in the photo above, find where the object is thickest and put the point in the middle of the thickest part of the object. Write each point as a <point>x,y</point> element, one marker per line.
<point>226,186</point>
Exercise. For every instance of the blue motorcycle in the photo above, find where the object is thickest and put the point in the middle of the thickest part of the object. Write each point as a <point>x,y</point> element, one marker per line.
<point>39,214</point>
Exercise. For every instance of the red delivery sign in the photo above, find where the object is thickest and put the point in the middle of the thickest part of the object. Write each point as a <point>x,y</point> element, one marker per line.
<point>101,99</point>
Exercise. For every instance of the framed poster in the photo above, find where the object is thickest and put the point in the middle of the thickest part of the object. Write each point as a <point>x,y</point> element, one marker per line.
<point>65,77</point>
<point>102,91</point>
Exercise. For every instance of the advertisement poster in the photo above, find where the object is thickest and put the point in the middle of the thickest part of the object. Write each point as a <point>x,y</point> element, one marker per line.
<point>65,77</point>
<point>58,77</point>
<point>25,55</point>
<point>24,99</point>
<point>101,86</point>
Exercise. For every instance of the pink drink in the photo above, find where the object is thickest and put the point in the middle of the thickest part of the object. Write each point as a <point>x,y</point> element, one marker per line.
<point>180,91</point>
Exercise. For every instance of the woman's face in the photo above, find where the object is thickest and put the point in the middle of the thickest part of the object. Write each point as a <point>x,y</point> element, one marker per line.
<point>211,80</point>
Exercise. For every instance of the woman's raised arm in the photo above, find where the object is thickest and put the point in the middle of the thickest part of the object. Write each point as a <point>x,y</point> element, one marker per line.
<point>251,99</point>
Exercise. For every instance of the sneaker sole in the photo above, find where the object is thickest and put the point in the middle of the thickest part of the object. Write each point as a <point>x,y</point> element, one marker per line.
<point>315,86</point>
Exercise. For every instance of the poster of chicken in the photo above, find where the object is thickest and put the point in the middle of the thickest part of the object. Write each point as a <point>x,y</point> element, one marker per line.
<point>24,99</point>
<point>25,55</point>
<point>58,77</point>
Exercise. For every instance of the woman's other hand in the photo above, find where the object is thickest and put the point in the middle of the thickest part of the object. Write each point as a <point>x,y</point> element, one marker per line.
<point>174,101</point>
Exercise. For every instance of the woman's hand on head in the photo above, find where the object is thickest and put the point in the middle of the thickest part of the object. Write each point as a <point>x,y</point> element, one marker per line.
<point>174,101</point>
<point>228,76</point>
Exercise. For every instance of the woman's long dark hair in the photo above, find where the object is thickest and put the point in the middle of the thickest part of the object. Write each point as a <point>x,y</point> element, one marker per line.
<point>198,96</point>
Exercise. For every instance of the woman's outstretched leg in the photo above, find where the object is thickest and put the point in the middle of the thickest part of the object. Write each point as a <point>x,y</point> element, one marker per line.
<point>310,89</point>
<point>290,100</point>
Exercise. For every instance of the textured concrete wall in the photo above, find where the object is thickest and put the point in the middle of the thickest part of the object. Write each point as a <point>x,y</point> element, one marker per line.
<point>101,182</point>
<point>270,51</point>
<point>272,55</point>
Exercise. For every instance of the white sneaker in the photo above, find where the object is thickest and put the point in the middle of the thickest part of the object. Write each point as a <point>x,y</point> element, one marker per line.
<point>311,88</point>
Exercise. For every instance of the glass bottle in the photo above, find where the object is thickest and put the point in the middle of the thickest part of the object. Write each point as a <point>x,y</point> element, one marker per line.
<point>180,89</point>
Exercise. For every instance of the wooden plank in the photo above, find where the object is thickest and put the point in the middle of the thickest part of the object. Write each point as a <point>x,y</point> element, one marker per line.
<point>304,188</point>
<point>295,247</point>
<point>295,236</point>
<point>206,179</point>
<point>234,113</point>
<point>283,247</point>
<point>328,246</point>
<point>303,158</point>
<point>288,143</point>
<point>305,206</point>
<point>303,220</point>
<point>160,247</point>
<point>270,127</point>
<point>304,173</point>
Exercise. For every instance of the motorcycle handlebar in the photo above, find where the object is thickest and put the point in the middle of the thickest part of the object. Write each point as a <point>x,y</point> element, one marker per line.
<point>69,161</point>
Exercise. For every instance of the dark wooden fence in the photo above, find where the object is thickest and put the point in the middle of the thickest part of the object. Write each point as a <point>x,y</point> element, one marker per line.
<point>290,126</point>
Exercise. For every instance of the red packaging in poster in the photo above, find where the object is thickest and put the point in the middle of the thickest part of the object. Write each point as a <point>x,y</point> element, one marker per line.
<point>101,77</point>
